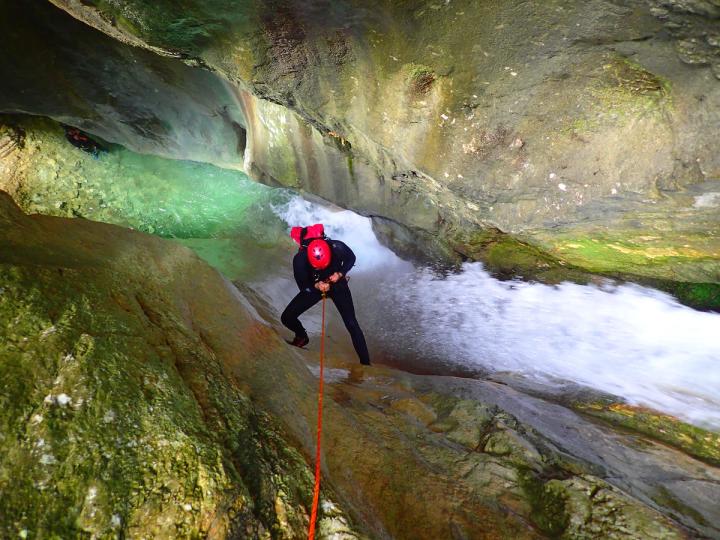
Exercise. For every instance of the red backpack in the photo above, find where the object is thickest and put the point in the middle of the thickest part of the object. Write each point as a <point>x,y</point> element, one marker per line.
<point>303,235</point>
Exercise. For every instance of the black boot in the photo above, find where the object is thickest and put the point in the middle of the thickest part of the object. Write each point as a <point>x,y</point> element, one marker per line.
<point>299,341</point>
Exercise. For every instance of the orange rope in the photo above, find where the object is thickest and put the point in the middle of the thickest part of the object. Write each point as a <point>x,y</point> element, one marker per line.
<point>316,490</point>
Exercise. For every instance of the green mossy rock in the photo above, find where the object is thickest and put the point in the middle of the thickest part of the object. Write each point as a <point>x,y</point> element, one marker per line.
<point>117,418</point>
<point>694,440</point>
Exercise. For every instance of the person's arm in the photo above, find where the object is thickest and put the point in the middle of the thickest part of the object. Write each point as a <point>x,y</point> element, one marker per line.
<point>303,277</point>
<point>345,256</point>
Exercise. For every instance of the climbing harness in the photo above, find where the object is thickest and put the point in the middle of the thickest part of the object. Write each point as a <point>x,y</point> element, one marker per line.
<point>316,490</point>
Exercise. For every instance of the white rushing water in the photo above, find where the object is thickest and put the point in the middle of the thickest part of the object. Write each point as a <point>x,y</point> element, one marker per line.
<point>629,341</point>
<point>347,226</point>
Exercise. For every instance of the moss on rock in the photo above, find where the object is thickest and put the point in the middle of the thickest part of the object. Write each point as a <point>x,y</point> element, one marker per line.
<point>509,257</point>
<point>584,507</point>
<point>621,91</point>
<point>529,476</point>
<point>642,254</point>
<point>117,417</point>
<point>694,440</point>
<point>704,296</point>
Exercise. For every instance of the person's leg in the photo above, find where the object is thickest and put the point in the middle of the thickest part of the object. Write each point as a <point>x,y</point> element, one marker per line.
<point>300,304</point>
<point>340,294</point>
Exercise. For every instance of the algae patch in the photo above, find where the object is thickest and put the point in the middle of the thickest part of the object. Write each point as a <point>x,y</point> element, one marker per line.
<point>621,91</point>
<point>698,442</point>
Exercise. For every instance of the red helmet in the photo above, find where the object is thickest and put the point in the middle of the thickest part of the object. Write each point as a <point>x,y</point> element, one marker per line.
<point>319,254</point>
<point>305,234</point>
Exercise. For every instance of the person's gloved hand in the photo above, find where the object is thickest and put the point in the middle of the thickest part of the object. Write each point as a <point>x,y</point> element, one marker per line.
<point>322,286</point>
<point>337,276</point>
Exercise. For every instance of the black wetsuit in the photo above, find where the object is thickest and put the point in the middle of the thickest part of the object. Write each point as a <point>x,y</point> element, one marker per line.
<point>306,276</point>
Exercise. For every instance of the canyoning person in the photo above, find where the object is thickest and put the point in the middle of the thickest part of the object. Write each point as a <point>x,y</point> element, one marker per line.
<point>320,267</point>
<point>82,140</point>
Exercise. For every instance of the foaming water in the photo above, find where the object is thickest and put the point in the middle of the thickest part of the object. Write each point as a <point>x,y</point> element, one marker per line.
<point>628,340</point>
<point>353,229</point>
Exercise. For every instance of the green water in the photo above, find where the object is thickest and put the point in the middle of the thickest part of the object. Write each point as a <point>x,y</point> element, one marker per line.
<point>219,213</point>
<point>184,199</point>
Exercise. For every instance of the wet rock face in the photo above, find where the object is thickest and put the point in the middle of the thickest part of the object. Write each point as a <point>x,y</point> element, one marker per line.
<point>552,121</point>
<point>695,27</point>
<point>490,457</point>
<point>118,420</point>
<point>153,104</point>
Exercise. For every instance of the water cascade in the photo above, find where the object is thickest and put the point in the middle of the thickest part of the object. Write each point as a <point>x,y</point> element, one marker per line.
<point>629,341</point>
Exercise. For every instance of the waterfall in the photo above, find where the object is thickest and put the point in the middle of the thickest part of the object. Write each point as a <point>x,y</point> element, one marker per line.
<point>629,341</point>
